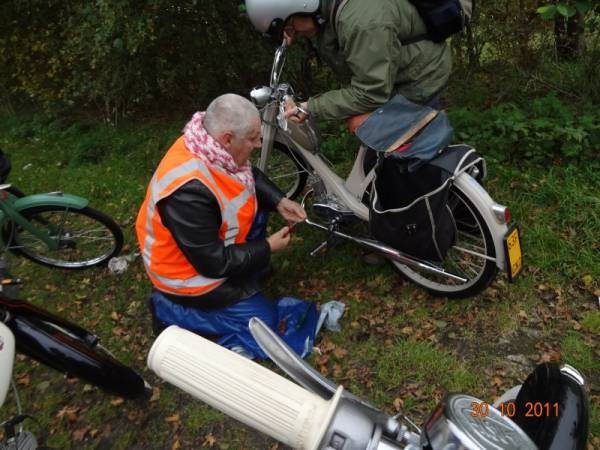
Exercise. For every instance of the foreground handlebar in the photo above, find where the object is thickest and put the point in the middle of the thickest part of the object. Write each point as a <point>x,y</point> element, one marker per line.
<point>242,389</point>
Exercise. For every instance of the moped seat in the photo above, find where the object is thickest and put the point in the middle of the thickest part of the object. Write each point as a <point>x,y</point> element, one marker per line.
<point>354,122</point>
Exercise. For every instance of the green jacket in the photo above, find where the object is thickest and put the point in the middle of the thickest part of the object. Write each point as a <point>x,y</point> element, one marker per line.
<point>367,48</point>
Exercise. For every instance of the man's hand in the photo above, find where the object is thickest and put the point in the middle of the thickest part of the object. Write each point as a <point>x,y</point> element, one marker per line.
<point>279,240</point>
<point>296,113</point>
<point>291,211</point>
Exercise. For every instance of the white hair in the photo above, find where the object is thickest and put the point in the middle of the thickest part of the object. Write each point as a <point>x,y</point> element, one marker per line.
<point>230,112</point>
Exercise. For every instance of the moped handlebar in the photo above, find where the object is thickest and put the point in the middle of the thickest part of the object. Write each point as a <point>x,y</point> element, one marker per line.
<point>242,389</point>
<point>278,62</point>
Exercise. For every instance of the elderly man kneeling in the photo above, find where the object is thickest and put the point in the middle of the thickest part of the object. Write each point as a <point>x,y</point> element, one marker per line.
<point>201,234</point>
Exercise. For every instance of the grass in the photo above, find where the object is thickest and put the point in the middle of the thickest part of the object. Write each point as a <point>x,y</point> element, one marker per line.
<point>399,347</point>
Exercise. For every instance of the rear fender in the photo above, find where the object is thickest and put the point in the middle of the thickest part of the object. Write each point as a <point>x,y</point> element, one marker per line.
<point>484,204</point>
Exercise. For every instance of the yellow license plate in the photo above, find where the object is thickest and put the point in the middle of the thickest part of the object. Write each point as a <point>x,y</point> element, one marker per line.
<point>514,254</point>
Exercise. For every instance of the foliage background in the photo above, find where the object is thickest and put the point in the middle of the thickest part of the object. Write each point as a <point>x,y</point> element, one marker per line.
<point>97,90</point>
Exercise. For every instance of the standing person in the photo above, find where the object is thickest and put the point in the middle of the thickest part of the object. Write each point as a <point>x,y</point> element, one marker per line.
<point>377,43</point>
<point>202,242</point>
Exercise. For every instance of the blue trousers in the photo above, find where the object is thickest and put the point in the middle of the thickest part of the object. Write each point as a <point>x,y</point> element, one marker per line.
<point>294,319</point>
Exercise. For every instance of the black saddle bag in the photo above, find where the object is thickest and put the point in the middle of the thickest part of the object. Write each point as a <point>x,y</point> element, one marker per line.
<point>409,210</point>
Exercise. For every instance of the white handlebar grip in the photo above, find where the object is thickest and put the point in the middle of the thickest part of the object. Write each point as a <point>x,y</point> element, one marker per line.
<point>242,388</point>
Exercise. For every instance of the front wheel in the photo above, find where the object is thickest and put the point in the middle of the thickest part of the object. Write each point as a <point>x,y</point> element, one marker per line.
<point>473,255</point>
<point>85,237</point>
<point>287,169</point>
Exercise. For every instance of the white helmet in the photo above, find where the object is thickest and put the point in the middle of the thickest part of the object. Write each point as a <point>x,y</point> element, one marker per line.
<point>269,16</point>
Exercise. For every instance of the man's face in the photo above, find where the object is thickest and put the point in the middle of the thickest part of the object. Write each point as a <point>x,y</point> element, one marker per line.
<point>299,25</point>
<point>241,147</point>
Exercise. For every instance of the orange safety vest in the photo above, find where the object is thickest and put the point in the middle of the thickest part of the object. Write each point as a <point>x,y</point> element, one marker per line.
<point>166,265</point>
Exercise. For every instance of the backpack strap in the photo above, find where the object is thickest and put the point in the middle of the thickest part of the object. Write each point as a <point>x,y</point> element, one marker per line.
<point>335,10</point>
<point>414,130</point>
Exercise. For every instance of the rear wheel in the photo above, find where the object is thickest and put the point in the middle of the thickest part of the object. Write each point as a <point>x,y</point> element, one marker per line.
<point>287,169</point>
<point>85,237</point>
<point>473,255</point>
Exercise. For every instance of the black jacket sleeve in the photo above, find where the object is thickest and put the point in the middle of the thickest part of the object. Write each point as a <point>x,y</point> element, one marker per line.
<point>193,216</point>
<point>267,193</point>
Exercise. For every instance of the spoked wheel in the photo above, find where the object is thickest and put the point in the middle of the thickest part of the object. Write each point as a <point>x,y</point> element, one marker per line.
<point>85,237</point>
<point>287,169</point>
<point>471,257</point>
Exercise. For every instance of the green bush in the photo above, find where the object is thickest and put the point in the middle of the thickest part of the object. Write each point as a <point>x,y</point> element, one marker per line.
<point>543,130</point>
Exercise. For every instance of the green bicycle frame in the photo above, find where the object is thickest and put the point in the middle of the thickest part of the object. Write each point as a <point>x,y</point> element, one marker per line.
<point>10,207</point>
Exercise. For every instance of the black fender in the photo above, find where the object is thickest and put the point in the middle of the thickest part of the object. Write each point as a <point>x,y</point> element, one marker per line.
<point>552,408</point>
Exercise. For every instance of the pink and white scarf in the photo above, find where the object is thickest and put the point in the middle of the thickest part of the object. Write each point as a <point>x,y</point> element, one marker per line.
<point>204,146</point>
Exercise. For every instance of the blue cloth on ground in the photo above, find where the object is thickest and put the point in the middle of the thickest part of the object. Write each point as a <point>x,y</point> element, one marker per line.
<point>293,320</point>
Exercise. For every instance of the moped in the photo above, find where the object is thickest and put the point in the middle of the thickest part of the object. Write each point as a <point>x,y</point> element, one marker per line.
<point>59,344</point>
<point>291,155</point>
<point>549,411</point>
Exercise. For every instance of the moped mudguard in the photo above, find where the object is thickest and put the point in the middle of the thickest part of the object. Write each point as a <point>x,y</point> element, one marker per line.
<point>7,357</point>
<point>560,427</point>
<point>53,199</point>
<point>67,354</point>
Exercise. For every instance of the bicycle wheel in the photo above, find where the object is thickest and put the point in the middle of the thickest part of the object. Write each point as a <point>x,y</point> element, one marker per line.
<point>471,257</point>
<point>287,169</point>
<point>57,347</point>
<point>86,237</point>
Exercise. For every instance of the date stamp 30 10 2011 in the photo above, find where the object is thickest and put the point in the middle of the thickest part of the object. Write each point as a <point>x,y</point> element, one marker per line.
<point>509,409</point>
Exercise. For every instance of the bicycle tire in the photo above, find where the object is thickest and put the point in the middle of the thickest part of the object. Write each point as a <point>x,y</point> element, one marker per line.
<point>54,346</point>
<point>287,169</point>
<point>480,232</point>
<point>73,243</point>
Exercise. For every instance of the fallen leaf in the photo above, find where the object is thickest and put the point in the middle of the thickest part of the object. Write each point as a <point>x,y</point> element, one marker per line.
<point>69,412</point>
<point>209,440</point>
<point>115,316</point>
<point>407,331</point>
<point>24,380</point>
<point>79,435</point>
<point>175,445</point>
<point>398,404</point>
<point>339,353</point>
<point>117,401</point>
<point>173,419</point>
<point>497,381</point>
<point>155,394</point>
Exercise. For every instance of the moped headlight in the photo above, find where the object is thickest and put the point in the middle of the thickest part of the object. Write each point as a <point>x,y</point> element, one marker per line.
<point>261,95</point>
